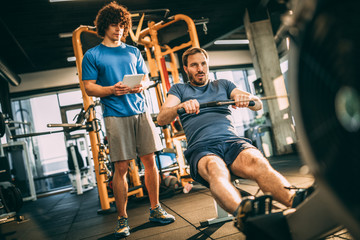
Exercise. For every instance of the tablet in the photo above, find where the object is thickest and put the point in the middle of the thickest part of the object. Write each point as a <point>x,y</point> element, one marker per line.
<point>132,80</point>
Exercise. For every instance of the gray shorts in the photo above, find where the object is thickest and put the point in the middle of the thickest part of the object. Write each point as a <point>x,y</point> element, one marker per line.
<point>132,136</point>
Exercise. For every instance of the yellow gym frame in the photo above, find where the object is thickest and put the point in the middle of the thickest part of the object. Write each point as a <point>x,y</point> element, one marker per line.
<point>148,38</point>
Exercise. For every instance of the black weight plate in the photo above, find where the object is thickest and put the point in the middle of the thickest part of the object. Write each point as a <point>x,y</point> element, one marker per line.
<point>13,198</point>
<point>2,125</point>
<point>328,64</point>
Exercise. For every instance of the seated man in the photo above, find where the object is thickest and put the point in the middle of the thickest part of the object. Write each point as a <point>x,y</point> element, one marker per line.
<point>214,149</point>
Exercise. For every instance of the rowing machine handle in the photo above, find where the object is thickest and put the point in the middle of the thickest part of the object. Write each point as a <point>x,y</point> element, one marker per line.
<point>210,104</point>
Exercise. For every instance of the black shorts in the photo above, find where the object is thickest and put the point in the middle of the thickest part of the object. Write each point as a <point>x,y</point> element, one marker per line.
<point>226,150</point>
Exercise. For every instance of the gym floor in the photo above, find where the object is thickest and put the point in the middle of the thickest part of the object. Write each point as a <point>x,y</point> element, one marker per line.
<point>71,216</point>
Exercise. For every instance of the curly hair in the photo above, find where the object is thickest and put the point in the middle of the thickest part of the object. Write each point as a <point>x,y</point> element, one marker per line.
<point>192,51</point>
<point>110,14</point>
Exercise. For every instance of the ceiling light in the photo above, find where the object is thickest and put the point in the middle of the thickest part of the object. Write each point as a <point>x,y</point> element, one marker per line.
<point>54,1</point>
<point>288,43</point>
<point>231,41</point>
<point>71,59</point>
<point>65,35</point>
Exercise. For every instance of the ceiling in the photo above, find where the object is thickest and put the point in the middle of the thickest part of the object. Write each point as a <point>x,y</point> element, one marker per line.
<point>30,30</point>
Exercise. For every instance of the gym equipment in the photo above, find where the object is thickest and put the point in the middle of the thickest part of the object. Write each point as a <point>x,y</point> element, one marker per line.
<point>168,166</point>
<point>15,155</point>
<point>229,102</point>
<point>166,160</point>
<point>79,173</point>
<point>10,203</point>
<point>2,125</point>
<point>171,182</point>
<point>10,197</point>
<point>13,137</point>
<point>83,178</point>
<point>326,98</point>
<point>261,137</point>
<point>67,128</point>
<point>18,154</point>
<point>162,40</point>
<point>223,216</point>
<point>5,171</point>
<point>328,74</point>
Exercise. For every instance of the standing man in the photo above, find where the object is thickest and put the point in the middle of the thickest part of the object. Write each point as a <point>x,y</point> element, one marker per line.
<point>214,148</point>
<point>130,129</point>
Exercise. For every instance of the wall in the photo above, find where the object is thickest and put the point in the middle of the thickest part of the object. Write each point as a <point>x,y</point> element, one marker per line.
<point>229,58</point>
<point>46,79</point>
<point>68,76</point>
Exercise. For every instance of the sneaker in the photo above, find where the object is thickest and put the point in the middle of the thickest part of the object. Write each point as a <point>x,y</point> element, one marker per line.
<point>160,215</point>
<point>122,228</point>
<point>243,212</point>
<point>301,194</point>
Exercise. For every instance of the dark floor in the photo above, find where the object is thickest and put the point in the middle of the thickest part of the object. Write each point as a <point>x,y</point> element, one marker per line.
<point>71,216</point>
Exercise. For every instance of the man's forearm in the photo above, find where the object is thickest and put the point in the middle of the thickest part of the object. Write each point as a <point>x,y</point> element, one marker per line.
<point>167,115</point>
<point>96,90</point>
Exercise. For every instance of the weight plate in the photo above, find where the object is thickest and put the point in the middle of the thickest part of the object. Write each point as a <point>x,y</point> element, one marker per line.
<point>2,125</point>
<point>328,87</point>
<point>13,198</point>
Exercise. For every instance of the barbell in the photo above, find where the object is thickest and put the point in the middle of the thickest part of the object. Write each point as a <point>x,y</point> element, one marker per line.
<point>231,102</point>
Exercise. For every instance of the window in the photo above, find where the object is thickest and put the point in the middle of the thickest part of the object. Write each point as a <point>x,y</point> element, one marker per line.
<point>48,150</point>
<point>243,79</point>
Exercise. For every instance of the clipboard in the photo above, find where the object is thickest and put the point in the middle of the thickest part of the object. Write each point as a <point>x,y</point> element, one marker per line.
<point>132,80</point>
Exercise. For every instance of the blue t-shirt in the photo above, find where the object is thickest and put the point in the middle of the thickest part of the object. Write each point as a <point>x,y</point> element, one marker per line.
<point>108,65</point>
<point>204,127</point>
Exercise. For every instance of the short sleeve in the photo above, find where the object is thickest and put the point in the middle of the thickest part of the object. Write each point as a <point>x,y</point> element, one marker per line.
<point>141,66</point>
<point>228,85</point>
<point>89,69</point>
<point>175,90</point>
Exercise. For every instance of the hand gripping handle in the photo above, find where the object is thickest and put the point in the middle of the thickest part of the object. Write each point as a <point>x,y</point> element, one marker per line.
<point>213,104</point>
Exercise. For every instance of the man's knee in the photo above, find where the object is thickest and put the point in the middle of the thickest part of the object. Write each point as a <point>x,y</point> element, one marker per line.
<point>121,167</point>
<point>148,161</point>
<point>252,157</point>
<point>250,163</point>
<point>215,168</point>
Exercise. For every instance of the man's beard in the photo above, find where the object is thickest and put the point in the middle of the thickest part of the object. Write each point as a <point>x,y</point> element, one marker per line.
<point>197,82</point>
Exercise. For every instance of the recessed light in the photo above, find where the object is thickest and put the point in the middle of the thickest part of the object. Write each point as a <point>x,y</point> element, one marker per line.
<point>65,35</point>
<point>54,1</point>
<point>71,59</point>
<point>231,41</point>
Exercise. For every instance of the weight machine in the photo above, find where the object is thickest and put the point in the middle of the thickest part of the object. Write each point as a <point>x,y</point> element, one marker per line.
<point>81,175</point>
<point>157,40</point>
<point>11,199</point>
<point>16,154</point>
<point>325,92</point>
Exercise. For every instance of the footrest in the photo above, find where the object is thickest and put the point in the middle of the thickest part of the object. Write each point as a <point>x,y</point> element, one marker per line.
<point>216,220</point>
<point>261,205</point>
<point>252,207</point>
<point>185,176</point>
<point>134,188</point>
<point>222,216</point>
